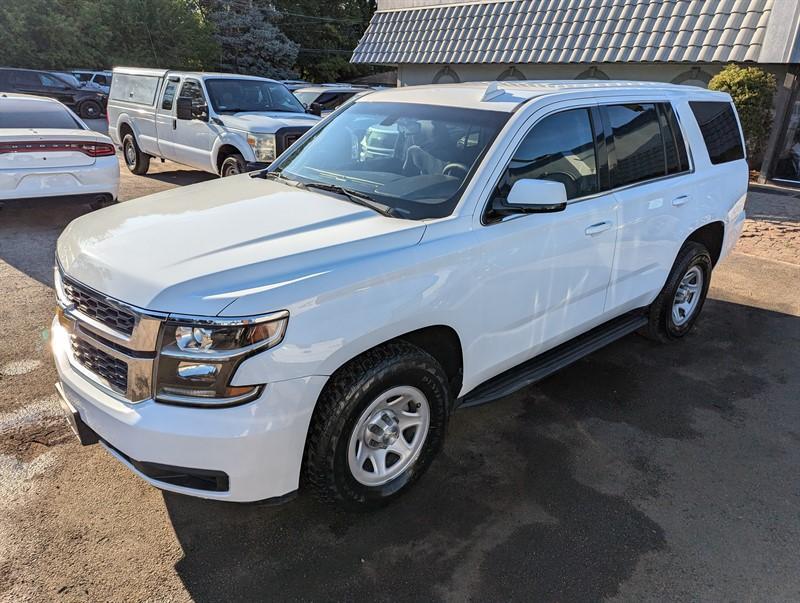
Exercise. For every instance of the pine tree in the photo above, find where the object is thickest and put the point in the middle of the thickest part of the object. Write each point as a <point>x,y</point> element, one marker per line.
<point>249,40</point>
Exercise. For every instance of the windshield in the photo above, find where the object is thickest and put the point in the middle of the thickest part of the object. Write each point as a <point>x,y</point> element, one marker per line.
<point>239,95</point>
<point>414,159</point>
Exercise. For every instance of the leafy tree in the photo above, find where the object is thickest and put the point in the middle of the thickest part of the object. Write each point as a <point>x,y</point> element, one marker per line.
<point>327,33</point>
<point>752,90</point>
<point>248,38</point>
<point>60,34</point>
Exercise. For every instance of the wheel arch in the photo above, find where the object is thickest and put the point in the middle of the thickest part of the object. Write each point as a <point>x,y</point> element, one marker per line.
<point>228,143</point>
<point>440,341</point>
<point>225,150</point>
<point>711,236</point>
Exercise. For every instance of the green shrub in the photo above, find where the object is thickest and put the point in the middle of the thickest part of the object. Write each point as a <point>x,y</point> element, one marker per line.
<point>752,90</point>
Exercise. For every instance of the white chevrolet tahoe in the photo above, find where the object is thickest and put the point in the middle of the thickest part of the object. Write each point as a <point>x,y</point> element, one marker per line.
<point>220,123</point>
<point>316,323</point>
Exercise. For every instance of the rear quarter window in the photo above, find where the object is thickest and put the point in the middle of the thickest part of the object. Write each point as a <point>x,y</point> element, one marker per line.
<point>720,130</point>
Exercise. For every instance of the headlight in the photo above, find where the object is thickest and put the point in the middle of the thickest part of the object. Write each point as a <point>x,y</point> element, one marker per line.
<point>263,146</point>
<point>198,357</point>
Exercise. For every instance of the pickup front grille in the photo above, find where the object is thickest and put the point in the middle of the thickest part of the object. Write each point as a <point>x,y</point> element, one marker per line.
<point>285,137</point>
<point>113,370</point>
<point>95,306</point>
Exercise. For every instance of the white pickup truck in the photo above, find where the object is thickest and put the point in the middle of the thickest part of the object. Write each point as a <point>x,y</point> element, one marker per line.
<point>314,324</point>
<point>219,123</point>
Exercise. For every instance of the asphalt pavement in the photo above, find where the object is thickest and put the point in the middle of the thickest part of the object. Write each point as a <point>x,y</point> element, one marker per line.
<point>643,472</point>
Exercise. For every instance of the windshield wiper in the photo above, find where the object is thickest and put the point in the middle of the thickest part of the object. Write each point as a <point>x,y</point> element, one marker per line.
<point>356,197</point>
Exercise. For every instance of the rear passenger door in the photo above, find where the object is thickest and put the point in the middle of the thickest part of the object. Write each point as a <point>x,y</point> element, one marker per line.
<point>650,172</point>
<point>165,118</point>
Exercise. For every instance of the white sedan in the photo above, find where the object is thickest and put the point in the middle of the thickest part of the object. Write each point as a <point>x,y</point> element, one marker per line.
<point>47,151</point>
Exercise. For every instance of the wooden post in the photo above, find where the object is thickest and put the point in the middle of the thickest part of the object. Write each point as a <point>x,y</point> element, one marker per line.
<point>784,101</point>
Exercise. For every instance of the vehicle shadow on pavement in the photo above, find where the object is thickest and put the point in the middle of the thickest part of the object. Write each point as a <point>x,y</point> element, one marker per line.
<point>29,229</point>
<point>540,496</point>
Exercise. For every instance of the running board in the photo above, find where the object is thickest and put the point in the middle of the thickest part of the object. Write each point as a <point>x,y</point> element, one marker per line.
<point>549,362</point>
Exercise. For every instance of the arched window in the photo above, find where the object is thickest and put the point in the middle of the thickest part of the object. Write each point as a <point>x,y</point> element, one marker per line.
<point>446,76</point>
<point>512,73</point>
<point>593,73</point>
<point>694,77</point>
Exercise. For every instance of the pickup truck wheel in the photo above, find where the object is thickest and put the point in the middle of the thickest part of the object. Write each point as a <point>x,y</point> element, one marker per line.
<point>137,162</point>
<point>378,425</point>
<point>233,164</point>
<point>90,109</point>
<point>677,307</point>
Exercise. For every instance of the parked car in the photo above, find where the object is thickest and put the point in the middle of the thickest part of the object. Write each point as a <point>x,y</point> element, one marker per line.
<point>89,104</point>
<point>317,322</point>
<point>47,151</point>
<point>325,99</point>
<point>99,80</point>
<point>219,123</point>
<point>293,85</point>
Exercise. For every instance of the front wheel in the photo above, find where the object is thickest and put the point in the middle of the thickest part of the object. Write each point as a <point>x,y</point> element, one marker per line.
<point>379,423</point>
<point>233,164</point>
<point>677,307</point>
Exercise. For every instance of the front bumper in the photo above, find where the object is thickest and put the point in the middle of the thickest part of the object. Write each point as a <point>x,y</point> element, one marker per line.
<point>258,446</point>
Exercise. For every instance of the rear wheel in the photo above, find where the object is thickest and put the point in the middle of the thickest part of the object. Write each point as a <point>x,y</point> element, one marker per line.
<point>91,109</point>
<point>137,162</point>
<point>233,164</point>
<point>378,425</point>
<point>677,307</point>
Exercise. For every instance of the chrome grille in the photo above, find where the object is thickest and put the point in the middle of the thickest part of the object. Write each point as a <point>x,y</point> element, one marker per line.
<point>95,306</point>
<point>113,370</point>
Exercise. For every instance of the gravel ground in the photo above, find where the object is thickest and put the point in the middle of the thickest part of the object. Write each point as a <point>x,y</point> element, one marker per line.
<point>643,472</point>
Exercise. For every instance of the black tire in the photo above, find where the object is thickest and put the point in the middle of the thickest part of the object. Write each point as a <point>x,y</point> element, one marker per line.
<point>91,110</point>
<point>102,201</point>
<point>234,164</point>
<point>349,392</point>
<point>662,325</point>
<point>137,162</point>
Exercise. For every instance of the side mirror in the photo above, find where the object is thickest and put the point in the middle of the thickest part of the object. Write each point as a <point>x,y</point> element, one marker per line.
<point>200,111</point>
<point>532,196</point>
<point>183,107</point>
<point>315,109</point>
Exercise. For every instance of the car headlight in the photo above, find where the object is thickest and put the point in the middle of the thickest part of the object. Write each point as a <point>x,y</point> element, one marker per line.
<point>263,146</point>
<point>198,357</point>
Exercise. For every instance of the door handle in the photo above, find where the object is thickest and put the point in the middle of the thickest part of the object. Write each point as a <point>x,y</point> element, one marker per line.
<point>682,200</point>
<point>174,124</point>
<point>596,229</point>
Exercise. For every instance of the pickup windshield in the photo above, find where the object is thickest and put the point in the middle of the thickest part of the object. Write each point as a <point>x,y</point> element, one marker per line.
<point>240,95</point>
<point>413,159</point>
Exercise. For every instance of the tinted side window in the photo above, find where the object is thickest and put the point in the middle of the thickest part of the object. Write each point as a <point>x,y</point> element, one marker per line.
<point>638,144</point>
<point>558,148</point>
<point>192,89</point>
<point>101,79</point>
<point>26,78</point>
<point>674,145</point>
<point>720,130</point>
<point>169,95</point>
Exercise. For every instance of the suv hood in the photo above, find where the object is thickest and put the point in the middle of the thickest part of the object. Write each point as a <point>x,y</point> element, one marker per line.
<point>196,249</point>
<point>268,123</point>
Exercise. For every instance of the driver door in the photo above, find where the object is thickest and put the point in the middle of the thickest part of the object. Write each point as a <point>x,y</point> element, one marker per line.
<point>545,276</point>
<point>194,138</point>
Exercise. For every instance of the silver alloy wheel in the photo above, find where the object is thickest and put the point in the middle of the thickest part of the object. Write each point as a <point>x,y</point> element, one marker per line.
<point>130,154</point>
<point>389,436</point>
<point>687,297</point>
<point>231,170</point>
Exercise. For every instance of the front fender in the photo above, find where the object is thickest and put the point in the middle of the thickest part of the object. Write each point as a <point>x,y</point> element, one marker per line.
<point>234,139</point>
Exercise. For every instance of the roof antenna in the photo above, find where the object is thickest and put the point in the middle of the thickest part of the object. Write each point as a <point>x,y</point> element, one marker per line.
<point>493,90</point>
